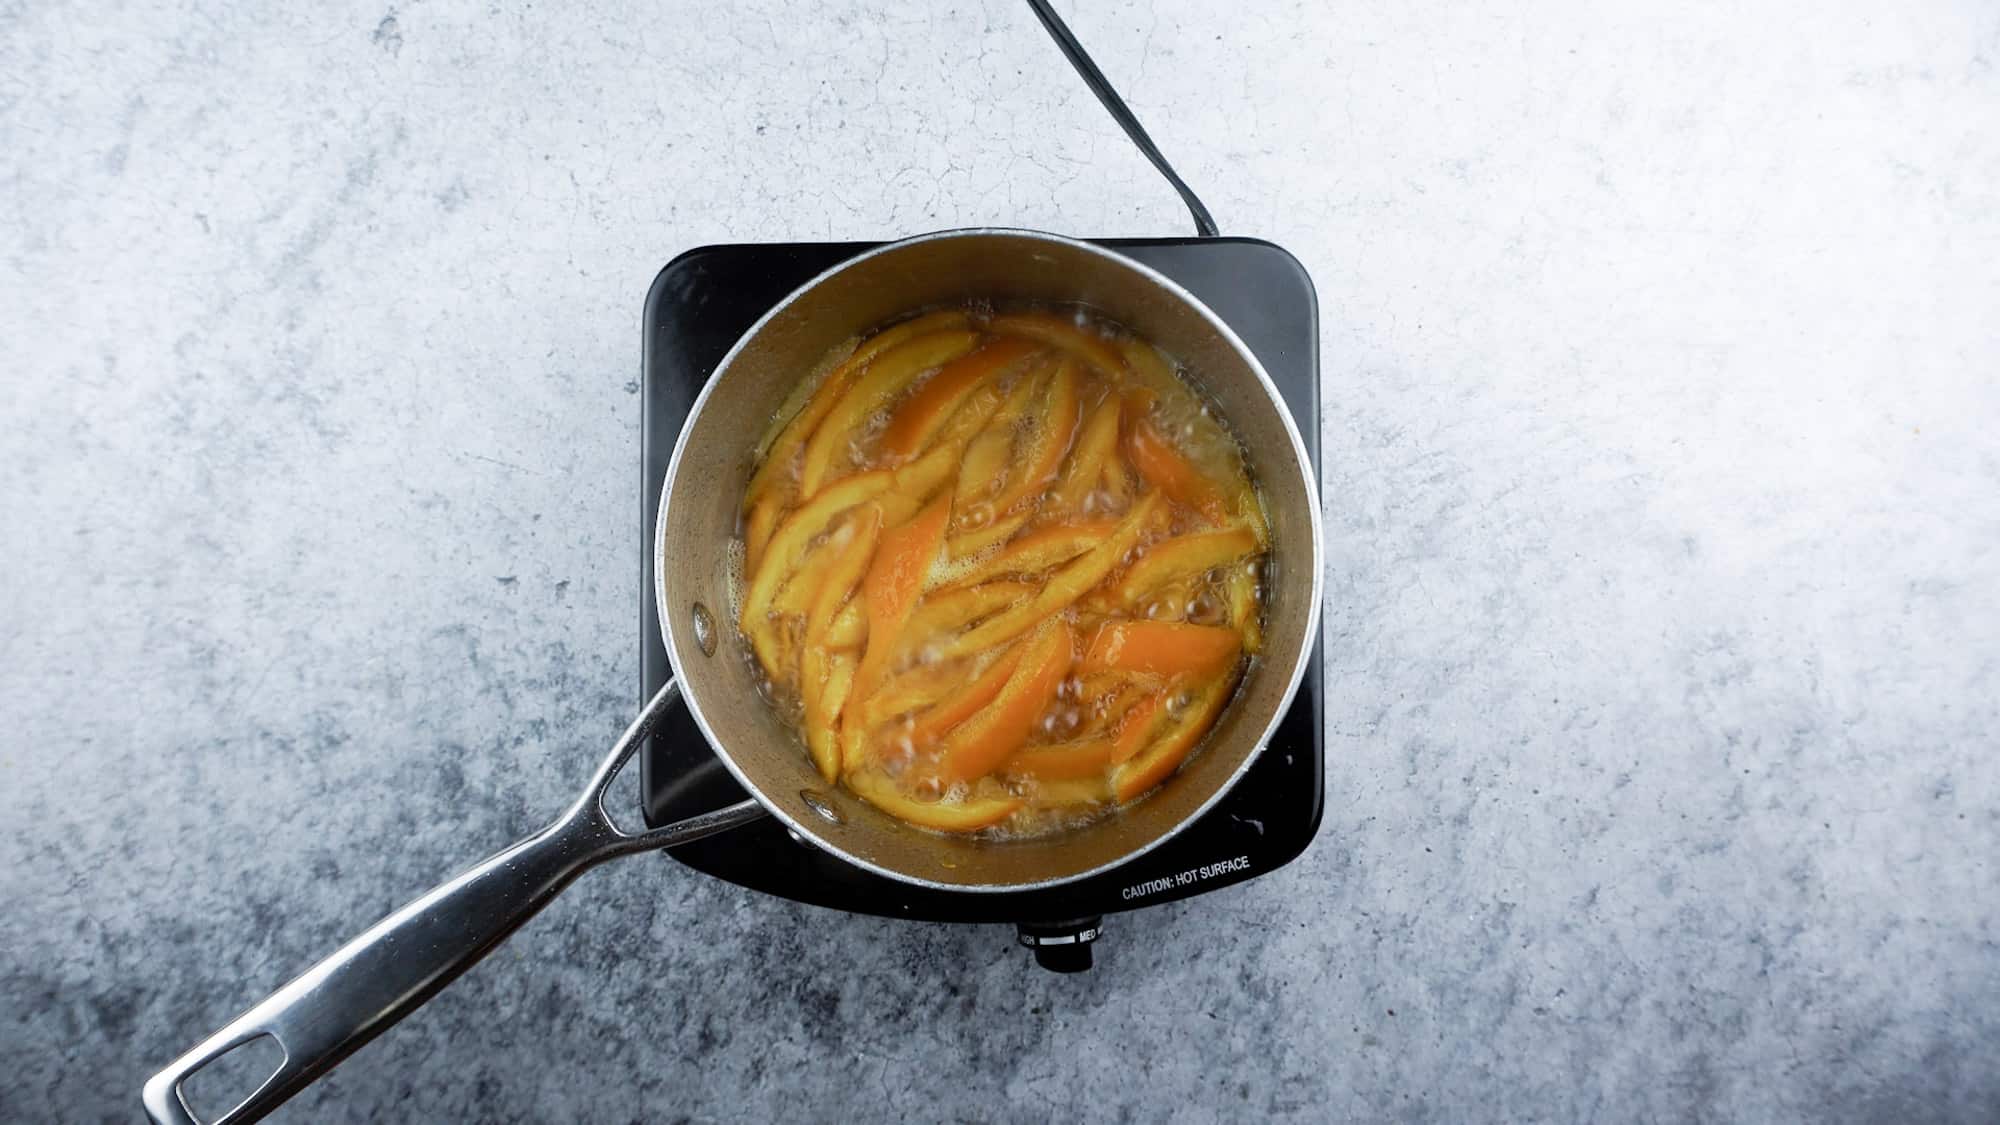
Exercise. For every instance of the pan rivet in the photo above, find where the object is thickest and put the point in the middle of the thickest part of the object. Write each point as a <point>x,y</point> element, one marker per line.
<point>818,804</point>
<point>704,629</point>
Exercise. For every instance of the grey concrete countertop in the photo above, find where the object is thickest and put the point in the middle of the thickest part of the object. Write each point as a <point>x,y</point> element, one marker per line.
<point>1663,612</point>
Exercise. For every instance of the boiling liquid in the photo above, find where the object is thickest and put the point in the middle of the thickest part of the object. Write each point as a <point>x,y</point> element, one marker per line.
<point>1000,570</point>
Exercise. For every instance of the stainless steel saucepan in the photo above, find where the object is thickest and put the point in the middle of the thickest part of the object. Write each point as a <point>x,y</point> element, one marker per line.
<point>371,982</point>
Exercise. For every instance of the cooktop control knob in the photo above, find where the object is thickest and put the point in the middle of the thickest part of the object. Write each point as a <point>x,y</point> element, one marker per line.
<point>1061,947</point>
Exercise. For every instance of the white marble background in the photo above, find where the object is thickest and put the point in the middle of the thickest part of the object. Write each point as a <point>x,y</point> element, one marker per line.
<point>1663,620</point>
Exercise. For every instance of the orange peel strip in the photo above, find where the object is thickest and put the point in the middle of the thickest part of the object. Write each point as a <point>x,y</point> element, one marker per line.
<point>1169,649</point>
<point>984,741</point>
<point>1064,761</point>
<point>917,481</point>
<point>778,458</point>
<point>1064,587</point>
<point>884,377</point>
<point>1096,442</point>
<point>1162,758</point>
<point>843,573</point>
<point>1037,551</point>
<point>1080,791</point>
<point>926,410</point>
<point>789,542</point>
<point>1159,462</point>
<point>949,611</point>
<point>1065,334</point>
<point>825,679</point>
<point>1184,557</point>
<point>955,708</point>
<point>849,627</point>
<point>983,469</point>
<point>1136,728</point>
<point>969,815</point>
<point>1042,453</point>
<point>1244,610</point>
<point>969,543</point>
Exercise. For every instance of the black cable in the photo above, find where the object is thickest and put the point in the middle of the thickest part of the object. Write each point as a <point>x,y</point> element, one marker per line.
<point>1204,224</point>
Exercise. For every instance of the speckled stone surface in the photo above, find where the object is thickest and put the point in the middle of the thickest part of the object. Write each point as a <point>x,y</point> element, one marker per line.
<point>1663,615</point>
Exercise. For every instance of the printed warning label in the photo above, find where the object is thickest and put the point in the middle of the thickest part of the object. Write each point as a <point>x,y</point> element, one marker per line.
<point>1186,878</point>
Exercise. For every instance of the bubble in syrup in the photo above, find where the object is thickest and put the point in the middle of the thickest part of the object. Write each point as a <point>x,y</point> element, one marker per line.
<point>977,515</point>
<point>1070,689</point>
<point>1064,721</point>
<point>897,759</point>
<point>927,789</point>
<point>1180,702</point>
<point>1159,610</point>
<point>1205,609</point>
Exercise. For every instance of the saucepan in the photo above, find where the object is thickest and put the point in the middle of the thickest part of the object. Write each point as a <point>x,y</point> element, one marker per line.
<point>400,962</point>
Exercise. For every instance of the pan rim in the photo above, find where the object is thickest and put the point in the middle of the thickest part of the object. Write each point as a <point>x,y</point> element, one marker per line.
<point>1301,458</point>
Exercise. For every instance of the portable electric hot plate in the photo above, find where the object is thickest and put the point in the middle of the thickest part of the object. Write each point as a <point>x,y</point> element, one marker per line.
<point>700,304</point>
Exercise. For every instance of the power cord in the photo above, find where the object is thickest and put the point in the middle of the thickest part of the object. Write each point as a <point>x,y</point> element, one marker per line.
<point>1204,224</point>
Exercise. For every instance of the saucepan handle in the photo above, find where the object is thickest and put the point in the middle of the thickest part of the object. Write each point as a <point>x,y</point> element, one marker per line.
<point>365,986</point>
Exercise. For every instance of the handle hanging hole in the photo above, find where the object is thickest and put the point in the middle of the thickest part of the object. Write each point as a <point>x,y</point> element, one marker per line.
<point>233,1077</point>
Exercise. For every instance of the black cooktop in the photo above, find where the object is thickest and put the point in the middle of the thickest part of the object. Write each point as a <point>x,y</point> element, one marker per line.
<point>700,304</point>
